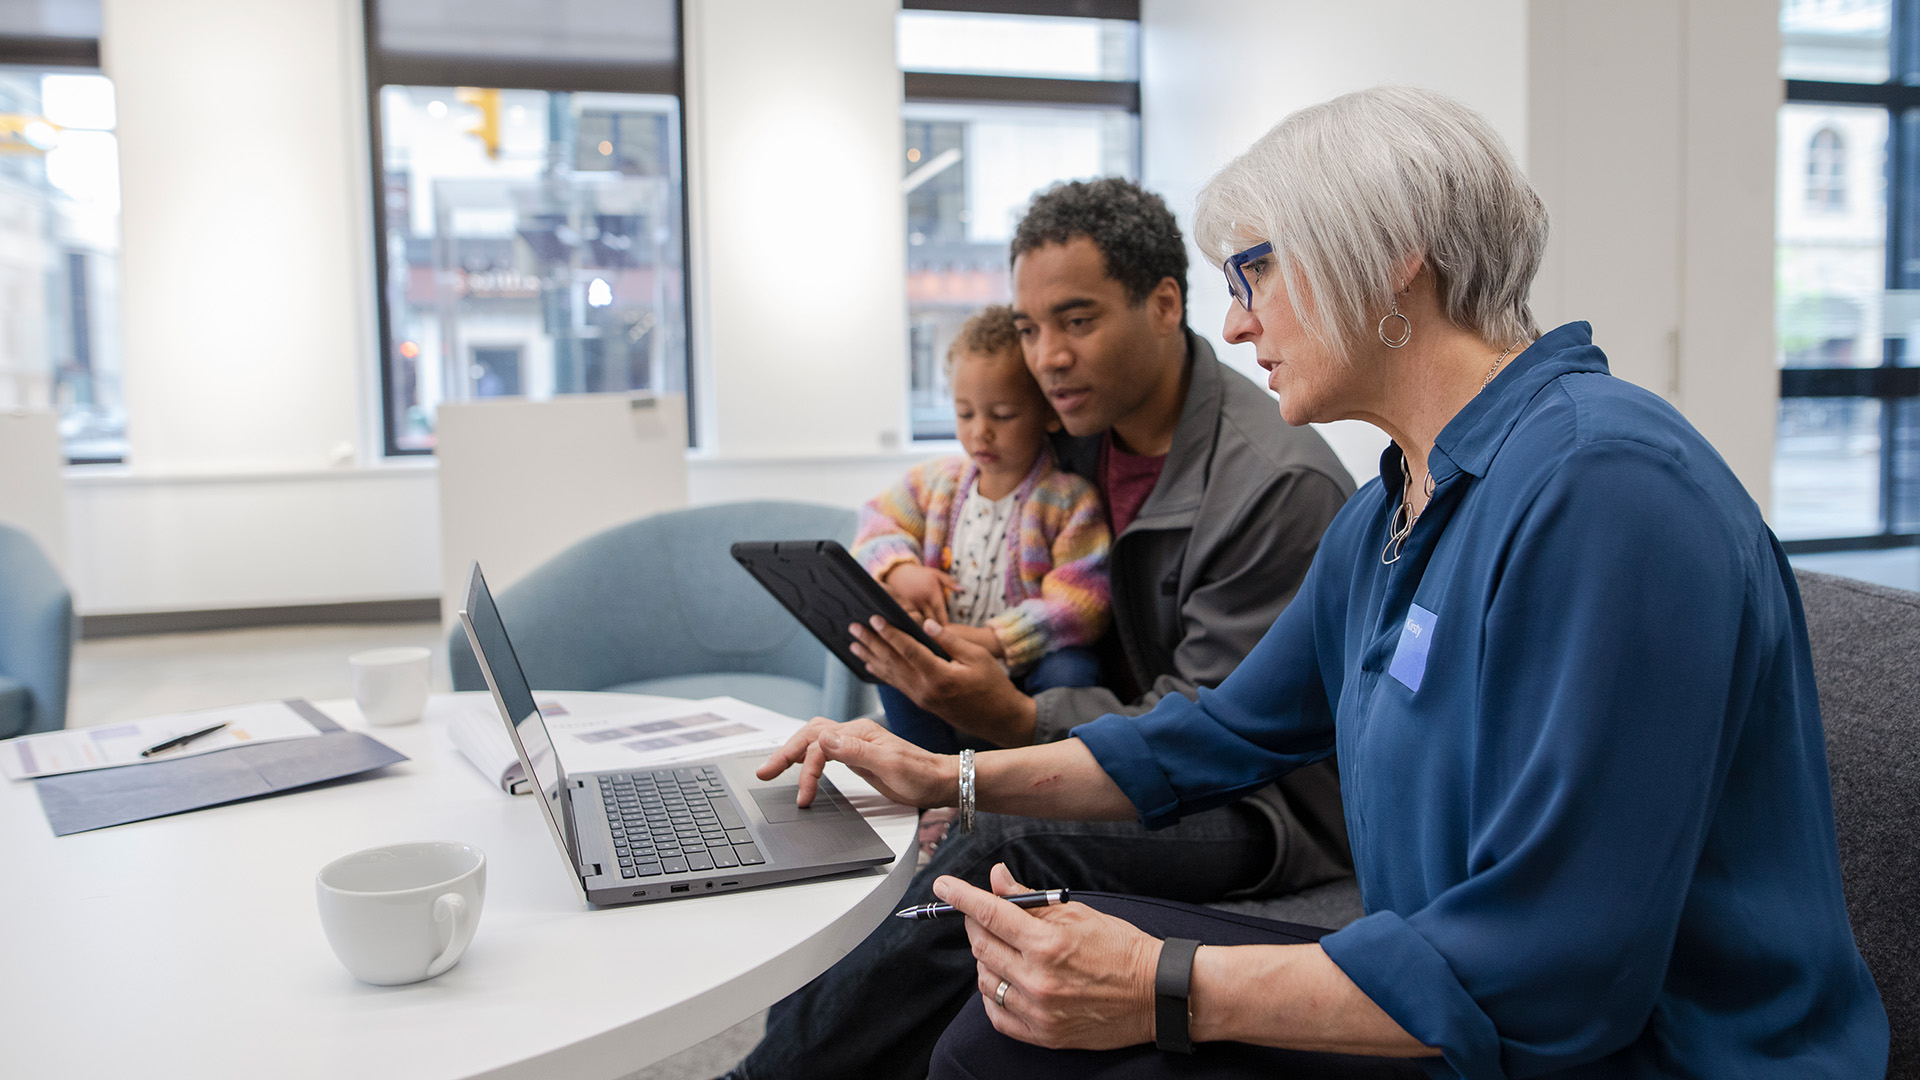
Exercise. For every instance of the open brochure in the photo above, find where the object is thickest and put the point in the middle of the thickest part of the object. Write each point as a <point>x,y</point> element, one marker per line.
<point>602,733</point>
<point>480,736</point>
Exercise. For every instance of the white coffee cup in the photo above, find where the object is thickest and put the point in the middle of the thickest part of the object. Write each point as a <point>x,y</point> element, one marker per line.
<point>391,684</point>
<point>402,913</point>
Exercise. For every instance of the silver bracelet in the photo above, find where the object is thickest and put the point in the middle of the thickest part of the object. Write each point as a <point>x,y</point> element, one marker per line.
<point>966,791</point>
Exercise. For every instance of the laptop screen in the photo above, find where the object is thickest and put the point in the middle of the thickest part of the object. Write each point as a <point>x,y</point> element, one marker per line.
<point>489,637</point>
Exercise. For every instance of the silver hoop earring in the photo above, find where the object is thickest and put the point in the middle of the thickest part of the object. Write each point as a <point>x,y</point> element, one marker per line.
<point>1406,327</point>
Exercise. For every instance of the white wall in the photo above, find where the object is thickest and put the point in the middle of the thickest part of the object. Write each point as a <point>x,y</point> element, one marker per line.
<point>1646,124</point>
<point>247,285</point>
<point>571,466</point>
<point>244,192</point>
<point>1652,141</point>
<point>32,499</point>
<point>191,542</point>
<point>229,540</point>
<point>255,478</point>
<point>1216,76</point>
<point>794,164</point>
<point>841,480</point>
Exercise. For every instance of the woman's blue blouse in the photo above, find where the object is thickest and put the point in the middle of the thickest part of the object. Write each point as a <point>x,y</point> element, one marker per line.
<point>1579,746</point>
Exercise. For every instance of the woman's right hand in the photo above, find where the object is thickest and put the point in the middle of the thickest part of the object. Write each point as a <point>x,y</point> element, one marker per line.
<point>921,590</point>
<point>895,767</point>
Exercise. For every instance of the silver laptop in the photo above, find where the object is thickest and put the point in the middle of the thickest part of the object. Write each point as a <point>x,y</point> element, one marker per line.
<point>688,829</point>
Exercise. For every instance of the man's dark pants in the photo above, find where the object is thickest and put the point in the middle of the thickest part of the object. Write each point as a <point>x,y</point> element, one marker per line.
<point>1071,666</point>
<point>878,1012</point>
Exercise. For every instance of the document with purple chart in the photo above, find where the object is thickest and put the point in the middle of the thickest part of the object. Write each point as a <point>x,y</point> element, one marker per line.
<point>596,732</point>
<point>662,735</point>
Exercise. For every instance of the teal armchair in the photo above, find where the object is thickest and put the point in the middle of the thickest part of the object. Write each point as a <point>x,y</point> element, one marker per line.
<point>36,638</point>
<point>658,606</point>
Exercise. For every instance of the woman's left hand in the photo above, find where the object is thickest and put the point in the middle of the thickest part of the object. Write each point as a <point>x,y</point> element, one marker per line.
<point>1076,978</point>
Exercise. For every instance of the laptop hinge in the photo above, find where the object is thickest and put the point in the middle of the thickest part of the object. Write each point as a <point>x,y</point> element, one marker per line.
<point>567,789</point>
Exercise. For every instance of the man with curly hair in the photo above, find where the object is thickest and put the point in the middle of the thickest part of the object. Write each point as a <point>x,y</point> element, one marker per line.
<point>1216,507</point>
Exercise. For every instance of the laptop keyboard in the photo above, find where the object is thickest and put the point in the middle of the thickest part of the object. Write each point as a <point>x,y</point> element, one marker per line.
<point>673,821</point>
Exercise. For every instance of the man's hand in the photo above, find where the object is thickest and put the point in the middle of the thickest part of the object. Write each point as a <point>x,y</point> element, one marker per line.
<point>1076,978</point>
<point>921,590</point>
<point>982,636</point>
<point>970,691</point>
<point>895,767</point>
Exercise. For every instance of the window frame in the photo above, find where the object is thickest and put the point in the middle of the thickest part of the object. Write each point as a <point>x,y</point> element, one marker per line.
<point>36,50</point>
<point>1827,171</point>
<point>952,88</point>
<point>387,67</point>
<point>82,56</point>
<point>1890,383</point>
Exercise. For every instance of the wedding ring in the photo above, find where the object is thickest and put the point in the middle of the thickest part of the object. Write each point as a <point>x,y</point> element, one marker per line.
<point>1000,995</point>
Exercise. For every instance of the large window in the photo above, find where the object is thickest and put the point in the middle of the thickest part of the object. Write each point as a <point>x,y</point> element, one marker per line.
<point>60,226</point>
<point>528,154</point>
<point>1001,104</point>
<point>1847,275</point>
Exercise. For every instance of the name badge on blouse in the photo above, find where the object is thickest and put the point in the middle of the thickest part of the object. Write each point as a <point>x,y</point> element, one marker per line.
<point>1410,657</point>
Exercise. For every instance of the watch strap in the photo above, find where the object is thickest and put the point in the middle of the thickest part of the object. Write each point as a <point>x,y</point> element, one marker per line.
<point>1172,983</point>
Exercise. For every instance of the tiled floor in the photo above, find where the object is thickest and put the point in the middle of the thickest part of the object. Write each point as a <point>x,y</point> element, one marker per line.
<point>130,677</point>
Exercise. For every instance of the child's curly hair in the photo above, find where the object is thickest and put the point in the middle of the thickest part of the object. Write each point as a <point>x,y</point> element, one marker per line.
<point>988,332</point>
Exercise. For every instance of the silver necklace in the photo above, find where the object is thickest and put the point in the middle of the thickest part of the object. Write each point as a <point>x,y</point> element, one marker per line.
<point>1498,360</point>
<point>1403,519</point>
<point>1403,515</point>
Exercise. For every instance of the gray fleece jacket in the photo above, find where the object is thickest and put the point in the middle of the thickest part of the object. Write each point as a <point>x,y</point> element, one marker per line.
<point>1217,552</point>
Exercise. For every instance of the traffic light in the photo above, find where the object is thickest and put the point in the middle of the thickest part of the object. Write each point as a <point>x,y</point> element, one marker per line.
<point>25,134</point>
<point>488,129</point>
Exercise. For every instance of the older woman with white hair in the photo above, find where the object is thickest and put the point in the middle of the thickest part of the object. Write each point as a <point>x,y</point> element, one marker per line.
<point>1557,651</point>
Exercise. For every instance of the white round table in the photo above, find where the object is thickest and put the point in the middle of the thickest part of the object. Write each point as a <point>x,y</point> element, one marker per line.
<point>190,946</point>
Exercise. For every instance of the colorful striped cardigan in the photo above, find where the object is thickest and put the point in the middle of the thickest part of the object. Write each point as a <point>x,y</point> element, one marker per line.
<point>1056,585</point>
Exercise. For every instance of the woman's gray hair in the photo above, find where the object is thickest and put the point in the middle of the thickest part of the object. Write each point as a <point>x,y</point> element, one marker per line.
<point>1347,189</point>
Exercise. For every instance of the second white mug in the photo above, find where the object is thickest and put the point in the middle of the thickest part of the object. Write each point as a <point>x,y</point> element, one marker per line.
<point>390,685</point>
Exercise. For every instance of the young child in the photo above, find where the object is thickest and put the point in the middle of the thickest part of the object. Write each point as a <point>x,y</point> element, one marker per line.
<point>1007,550</point>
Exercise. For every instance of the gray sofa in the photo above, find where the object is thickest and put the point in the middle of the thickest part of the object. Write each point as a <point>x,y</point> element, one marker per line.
<point>1866,661</point>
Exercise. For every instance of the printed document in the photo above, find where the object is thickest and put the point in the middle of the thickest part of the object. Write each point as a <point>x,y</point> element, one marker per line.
<point>111,745</point>
<point>598,733</point>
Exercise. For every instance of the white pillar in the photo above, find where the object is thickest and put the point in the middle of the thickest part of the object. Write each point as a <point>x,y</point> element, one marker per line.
<point>245,216</point>
<point>799,226</point>
<point>1652,134</point>
<point>1217,76</point>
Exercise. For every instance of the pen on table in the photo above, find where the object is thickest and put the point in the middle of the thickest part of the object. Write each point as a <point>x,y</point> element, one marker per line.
<point>1045,898</point>
<point>181,740</point>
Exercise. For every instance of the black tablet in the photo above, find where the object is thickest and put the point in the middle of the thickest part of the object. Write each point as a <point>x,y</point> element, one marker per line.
<point>827,591</point>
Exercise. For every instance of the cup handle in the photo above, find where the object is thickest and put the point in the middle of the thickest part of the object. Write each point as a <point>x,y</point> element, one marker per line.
<point>452,907</point>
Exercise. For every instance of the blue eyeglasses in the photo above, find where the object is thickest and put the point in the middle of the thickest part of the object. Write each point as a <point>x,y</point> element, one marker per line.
<point>1236,270</point>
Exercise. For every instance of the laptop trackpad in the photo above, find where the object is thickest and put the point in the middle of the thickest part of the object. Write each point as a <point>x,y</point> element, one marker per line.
<point>776,804</point>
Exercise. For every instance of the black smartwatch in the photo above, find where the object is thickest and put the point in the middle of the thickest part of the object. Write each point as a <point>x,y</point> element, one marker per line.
<point>1172,983</point>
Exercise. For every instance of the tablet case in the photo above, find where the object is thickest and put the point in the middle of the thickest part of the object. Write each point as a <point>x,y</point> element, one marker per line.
<point>826,590</point>
<point>81,801</point>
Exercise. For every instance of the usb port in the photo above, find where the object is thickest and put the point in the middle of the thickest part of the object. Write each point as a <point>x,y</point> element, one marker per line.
<point>682,888</point>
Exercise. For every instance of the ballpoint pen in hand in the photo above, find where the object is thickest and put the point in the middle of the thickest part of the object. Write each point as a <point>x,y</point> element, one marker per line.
<point>180,740</point>
<point>1044,898</point>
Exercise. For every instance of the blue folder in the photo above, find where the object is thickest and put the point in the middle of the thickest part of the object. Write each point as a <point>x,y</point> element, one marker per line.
<point>81,801</point>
